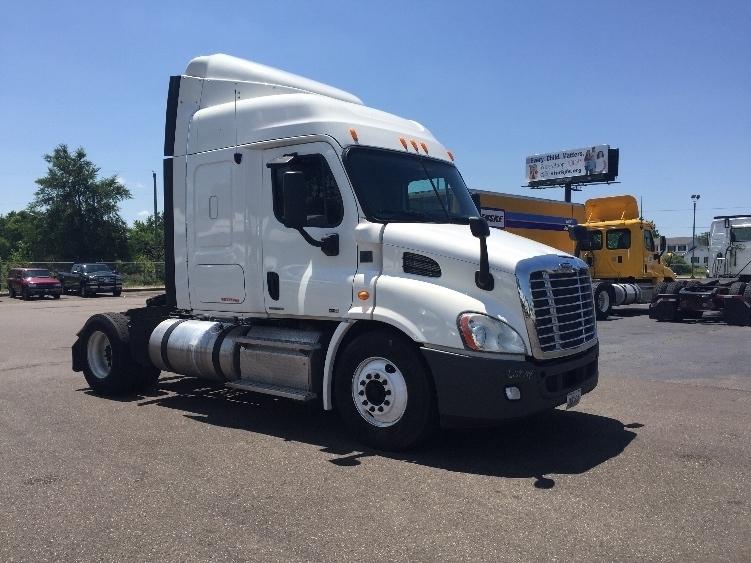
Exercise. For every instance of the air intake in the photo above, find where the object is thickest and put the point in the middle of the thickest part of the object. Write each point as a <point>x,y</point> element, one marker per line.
<point>420,265</point>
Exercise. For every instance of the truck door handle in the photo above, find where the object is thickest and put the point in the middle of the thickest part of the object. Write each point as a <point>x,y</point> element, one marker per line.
<point>272,285</point>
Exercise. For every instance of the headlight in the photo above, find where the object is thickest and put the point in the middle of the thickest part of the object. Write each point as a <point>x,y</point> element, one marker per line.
<point>486,334</point>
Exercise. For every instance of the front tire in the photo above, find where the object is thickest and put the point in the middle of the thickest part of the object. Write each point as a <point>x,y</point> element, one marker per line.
<point>603,302</point>
<point>83,291</point>
<point>12,292</point>
<point>117,293</point>
<point>384,393</point>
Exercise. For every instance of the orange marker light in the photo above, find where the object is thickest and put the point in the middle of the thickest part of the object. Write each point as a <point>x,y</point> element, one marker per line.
<point>403,142</point>
<point>424,147</point>
<point>354,134</point>
<point>414,145</point>
<point>363,295</point>
<point>451,155</point>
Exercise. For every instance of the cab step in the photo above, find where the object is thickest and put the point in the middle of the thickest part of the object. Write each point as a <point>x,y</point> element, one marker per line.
<point>270,389</point>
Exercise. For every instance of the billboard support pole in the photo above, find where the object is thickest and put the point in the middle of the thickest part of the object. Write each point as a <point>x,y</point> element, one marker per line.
<point>567,194</point>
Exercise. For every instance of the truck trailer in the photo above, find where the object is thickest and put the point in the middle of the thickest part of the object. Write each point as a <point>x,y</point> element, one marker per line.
<point>621,249</point>
<point>727,287</point>
<point>321,250</point>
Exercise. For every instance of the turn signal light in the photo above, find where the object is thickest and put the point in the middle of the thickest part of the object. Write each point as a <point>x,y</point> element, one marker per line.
<point>363,295</point>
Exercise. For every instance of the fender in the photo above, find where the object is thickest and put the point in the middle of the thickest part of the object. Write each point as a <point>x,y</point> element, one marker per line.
<point>328,366</point>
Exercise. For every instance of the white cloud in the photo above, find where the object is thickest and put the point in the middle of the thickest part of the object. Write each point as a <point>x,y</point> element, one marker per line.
<point>144,213</point>
<point>129,184</point>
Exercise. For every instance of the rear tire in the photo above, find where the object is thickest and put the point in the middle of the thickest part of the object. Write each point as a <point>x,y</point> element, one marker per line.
<point>384,393</point>
<point>737,288</point>
<point>107,364</point>
<point>659,288</point>
<point>56,296</point>
<point>116,293</point>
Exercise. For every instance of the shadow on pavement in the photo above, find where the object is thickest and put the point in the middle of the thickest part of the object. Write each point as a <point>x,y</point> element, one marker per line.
<point>559,442</point>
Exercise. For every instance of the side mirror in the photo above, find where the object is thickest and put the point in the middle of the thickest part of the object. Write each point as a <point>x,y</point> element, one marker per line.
<point>479,227</point>
<point>293,200</point>
<point>581,236</point>
<point>663,244</point>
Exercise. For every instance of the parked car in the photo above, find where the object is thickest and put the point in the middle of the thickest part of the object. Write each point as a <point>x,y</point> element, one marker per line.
<point>91,278</point>
<point>28,282</point>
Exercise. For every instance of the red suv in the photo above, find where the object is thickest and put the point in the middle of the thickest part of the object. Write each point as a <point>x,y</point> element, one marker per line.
<point>28,282</point>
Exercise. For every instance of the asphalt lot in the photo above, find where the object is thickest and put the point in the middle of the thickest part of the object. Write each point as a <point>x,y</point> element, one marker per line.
<point>655,464</point>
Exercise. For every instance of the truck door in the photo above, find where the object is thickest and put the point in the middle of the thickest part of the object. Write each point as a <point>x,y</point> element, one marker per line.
<point>299,278</point>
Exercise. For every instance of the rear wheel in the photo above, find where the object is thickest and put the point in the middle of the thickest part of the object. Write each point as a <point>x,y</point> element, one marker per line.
<point>107,363</point>
<point>384,393</point>
<point>117,292</point>
<point>659,288</point>
<point>603,301</point>
<point>737,288</point>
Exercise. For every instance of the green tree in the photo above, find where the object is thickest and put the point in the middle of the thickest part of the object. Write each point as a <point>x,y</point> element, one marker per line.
<point>17,227</point>
<point>146,238</point>
<point>702,239</point>
<point>79,212</point>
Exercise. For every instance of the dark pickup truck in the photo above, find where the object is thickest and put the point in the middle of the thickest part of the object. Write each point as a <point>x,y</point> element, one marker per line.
<point>91,278</point>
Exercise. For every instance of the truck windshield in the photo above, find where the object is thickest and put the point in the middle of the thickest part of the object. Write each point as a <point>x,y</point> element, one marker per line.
<point>37,274</point>
<point>96,268</point>
<point>741,234</point>
<point>402,187</point>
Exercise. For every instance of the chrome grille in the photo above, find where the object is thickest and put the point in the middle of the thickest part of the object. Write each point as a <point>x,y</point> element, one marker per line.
<point>564,315</point>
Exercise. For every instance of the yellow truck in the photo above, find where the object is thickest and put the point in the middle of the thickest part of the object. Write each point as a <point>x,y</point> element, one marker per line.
<point>622,253</point>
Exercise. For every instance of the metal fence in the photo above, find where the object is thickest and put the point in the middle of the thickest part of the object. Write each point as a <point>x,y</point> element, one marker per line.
<point>135,274</point>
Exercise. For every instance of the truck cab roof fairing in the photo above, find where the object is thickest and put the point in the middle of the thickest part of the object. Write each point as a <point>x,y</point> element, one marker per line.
<point>226,67</point>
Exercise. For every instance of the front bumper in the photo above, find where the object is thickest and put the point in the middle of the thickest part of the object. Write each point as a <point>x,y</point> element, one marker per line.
<point>33,291</point>
<point>472,388</point>
<point>104,286</point>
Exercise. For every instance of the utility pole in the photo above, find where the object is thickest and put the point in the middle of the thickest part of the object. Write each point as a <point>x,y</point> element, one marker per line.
<point>694,198</point>
<point>153,175</point>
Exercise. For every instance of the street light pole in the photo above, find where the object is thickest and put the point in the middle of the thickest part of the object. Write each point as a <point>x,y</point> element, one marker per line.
<point>694,198</point>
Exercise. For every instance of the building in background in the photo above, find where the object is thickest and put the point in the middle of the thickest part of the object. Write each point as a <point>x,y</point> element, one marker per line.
<point>682,247</point>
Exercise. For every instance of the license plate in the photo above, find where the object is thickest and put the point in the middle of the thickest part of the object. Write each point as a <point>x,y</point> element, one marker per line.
<point>573,398</point>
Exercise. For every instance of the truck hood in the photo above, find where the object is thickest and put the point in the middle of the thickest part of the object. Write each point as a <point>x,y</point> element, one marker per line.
<point>505,250</point>
<point>42,280</point>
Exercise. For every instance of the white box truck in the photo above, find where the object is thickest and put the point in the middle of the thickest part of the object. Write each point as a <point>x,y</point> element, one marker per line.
<point>322,250</point>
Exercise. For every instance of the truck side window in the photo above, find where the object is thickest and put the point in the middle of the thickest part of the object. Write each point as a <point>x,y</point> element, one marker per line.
<point>619,239</point>
<point>323,202</point>
<point>649,241</point>
<point>596,239</point>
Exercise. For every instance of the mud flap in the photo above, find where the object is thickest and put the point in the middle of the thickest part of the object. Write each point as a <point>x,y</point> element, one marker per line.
<point>736,311</point>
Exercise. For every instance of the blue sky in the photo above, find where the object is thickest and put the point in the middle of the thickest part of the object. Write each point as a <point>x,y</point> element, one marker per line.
<point>669,83</point>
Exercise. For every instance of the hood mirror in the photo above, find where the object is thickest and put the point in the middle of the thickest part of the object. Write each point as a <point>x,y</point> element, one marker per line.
<point>480,229</point>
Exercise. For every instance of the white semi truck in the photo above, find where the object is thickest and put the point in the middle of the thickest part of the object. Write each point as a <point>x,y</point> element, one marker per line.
<point>321,250</point>
<point>727,287</point>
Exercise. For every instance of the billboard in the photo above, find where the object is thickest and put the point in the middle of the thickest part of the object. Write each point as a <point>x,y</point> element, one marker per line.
<point>597,163</point>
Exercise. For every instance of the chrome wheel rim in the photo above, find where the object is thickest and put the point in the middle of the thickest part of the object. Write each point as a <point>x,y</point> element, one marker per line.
<point>379,392</point>
<point>99,354</point>
<point>603,301</point>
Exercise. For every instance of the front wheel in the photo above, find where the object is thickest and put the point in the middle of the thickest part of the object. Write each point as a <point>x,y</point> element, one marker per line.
<point>82,291</point>
<point>383,392</point>
<point>603,302</point>
<point>117,292</point>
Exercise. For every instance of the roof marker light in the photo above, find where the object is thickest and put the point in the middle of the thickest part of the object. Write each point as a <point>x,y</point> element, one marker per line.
<point>451,155</point>
<point>414,145</point>
<point>403,141</point>
<point>424,147</point>
<point>354,135</point>
<point>363,295</point>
